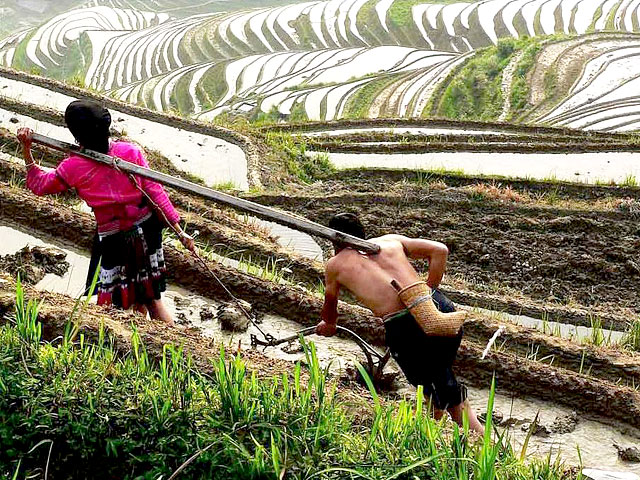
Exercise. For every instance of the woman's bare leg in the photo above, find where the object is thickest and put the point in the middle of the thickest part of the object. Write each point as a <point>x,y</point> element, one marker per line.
<point>457,413</point>
<point>159,312</point>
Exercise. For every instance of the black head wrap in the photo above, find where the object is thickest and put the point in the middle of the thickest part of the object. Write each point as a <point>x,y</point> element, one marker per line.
<point>89,123</point>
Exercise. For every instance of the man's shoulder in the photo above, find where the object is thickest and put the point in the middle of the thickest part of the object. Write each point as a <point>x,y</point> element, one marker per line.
<point>389,240</point>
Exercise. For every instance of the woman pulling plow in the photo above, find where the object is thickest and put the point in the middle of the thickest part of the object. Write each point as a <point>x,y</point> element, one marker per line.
<point>128,243</point>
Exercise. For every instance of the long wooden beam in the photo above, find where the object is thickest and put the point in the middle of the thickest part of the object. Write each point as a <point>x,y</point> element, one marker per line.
<point>258,210</point>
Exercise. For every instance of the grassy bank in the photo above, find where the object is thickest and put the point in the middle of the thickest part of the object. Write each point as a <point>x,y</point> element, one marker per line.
<point>73,409</point>
<point>475,91</point>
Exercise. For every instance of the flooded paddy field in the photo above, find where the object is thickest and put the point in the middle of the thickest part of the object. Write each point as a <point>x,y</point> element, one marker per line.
<point>615,167</point>
<point>213,159</point>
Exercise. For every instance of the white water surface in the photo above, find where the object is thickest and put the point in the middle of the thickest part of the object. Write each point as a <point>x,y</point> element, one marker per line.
<point>578,167</point>
<point>210,158</point>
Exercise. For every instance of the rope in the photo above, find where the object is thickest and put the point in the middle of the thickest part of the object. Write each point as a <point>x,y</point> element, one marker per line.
<point>194,252</point>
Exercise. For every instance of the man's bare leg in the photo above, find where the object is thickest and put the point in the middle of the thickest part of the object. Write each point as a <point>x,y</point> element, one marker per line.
<point>457,414</point>
<point>159,312</point>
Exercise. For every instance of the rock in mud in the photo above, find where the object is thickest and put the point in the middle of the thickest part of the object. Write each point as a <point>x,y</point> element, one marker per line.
<point>537,429</point>
<point>182,302</point>
<point>14,120</point>
<point>565,423</point>
<point>497,417</point>
<point>33,263</point>
<point>628,454</point>
<point>233,319</point>
<point>207,313</point>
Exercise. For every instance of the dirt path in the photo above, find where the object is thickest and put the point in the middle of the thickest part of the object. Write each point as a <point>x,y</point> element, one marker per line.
<point>507,79</point>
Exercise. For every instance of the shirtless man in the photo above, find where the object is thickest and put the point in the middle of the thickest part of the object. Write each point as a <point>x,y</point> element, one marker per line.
<point>425,360</point>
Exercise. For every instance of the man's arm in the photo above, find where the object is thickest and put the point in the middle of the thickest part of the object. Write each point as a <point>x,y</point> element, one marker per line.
<point>435,252</point>
<point>329,314</point>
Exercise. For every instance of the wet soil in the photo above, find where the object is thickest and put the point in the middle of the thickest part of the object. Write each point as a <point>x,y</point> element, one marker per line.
<point>364,180</point>
<point>561,256</point>
<point>514,373</point>
<point>33,263</point>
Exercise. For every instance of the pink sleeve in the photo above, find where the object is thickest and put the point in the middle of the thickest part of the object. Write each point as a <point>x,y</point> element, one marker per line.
<point>157,192</point>
<point>45,182</point>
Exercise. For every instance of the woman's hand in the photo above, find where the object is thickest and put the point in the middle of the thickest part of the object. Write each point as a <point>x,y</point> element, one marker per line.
<point>25,135</point>
<point>188,241</point>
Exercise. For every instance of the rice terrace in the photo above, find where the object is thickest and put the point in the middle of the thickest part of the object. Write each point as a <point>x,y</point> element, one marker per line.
<point>500,138</point>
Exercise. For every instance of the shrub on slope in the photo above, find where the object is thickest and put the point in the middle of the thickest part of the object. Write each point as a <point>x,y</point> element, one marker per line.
<point>475,91</point>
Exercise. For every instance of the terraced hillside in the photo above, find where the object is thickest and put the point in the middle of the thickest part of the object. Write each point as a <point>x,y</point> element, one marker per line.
<point>333,59</point>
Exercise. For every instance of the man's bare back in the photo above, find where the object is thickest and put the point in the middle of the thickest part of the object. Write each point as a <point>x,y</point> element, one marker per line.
<point>368,277</point>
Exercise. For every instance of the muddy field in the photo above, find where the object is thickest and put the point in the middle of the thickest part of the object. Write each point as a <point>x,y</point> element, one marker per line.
<point>563,385</point>
<point>549,250</point>
<point>542,246</point>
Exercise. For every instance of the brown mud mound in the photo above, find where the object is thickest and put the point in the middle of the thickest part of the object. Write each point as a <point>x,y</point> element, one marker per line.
<point>33,263</point>
<point>563,256</point>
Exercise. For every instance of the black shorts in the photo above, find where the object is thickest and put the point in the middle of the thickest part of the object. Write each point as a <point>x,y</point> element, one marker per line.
<point>427,360</point>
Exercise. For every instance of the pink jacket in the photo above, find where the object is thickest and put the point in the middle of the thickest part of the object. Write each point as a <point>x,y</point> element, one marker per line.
<point>115,201</point>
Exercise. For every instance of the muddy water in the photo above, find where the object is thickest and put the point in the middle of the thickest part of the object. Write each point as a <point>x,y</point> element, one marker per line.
<point>595,439</point>
<point>214,160</point>
<point>564,330</point>
<point>579,167</point>
<point>300,242</point>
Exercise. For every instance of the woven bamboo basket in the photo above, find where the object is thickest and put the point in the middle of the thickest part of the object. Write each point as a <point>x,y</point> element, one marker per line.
<point>417,298</point>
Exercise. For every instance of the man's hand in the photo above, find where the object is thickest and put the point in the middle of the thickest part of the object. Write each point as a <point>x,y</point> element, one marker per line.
<point>25,135</point>
<point>326,329</point>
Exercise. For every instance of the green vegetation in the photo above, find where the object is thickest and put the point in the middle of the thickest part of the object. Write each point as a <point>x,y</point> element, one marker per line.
<point>399,13</point>
<point>212,87</point>
<point>520,87</point>
<point>85,410</point>
<point>299,162</point>
<point>631,338</point>
<point>475,91</point>
<point>361,101</point>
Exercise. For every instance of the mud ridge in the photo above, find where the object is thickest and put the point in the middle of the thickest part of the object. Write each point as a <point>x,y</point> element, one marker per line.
<point>442,123</point>
<point>488,147</point>
<point>446,138</point>
<point>363,177</point>
<point>581,258</point>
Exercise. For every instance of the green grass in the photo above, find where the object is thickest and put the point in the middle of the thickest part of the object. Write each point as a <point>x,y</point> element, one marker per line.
<point>475,91</point>
<point>520,87</point>
<point>299,163</point>
<point>86,410</point>
<point>631,338</point>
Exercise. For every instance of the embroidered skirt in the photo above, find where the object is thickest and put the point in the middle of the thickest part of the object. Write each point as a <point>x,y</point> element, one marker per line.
<point>132,269</point>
